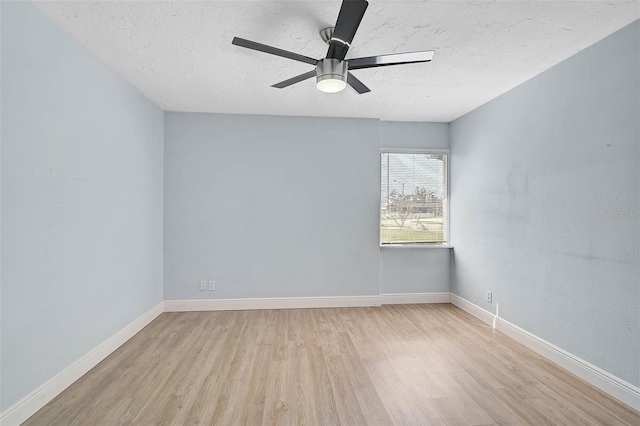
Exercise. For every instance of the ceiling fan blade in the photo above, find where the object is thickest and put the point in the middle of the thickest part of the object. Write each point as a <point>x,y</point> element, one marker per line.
<point>392,59</point>
<point>273,50</point>
<point>294,80</point>
<point>351,13</point>
<point>357,84</point>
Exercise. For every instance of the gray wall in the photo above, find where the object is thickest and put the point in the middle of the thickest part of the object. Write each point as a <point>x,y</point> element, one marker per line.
<point>414,269</point>
<point>535,175</point>
<point>270,206</point>
<point>81,202</point>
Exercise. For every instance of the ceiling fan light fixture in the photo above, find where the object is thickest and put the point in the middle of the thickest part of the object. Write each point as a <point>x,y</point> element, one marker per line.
<point>331,75</point>
<point>331,85</point>
<point>332,72</point>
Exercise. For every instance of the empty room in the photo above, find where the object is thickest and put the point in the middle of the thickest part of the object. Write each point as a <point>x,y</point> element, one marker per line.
<point>320,212</point>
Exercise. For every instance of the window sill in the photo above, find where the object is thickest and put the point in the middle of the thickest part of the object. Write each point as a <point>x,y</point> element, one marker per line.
<point>418,246</point>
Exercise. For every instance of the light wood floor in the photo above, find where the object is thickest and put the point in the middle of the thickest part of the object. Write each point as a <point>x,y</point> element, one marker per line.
<point>404,365</point>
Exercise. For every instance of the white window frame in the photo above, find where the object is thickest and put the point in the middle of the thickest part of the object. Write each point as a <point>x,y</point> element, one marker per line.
<point>446,215</point>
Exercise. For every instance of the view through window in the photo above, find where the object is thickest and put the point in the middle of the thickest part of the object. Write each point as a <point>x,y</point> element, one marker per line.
<point>413,198</point>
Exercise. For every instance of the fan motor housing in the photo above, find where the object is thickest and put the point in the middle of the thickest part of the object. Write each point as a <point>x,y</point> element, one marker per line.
<point>331,72</point>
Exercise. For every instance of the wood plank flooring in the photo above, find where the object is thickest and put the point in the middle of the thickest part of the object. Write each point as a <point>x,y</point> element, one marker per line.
<point>402,365</point>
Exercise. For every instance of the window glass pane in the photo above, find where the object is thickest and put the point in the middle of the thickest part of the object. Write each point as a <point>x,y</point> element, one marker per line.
<point>413,198</point>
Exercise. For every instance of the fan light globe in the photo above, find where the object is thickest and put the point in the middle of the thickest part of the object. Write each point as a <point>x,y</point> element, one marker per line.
<point>331,85</point>
<point>331,75</point>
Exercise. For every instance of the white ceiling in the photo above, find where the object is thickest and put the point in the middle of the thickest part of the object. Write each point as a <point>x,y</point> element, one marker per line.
<point>179,53</point>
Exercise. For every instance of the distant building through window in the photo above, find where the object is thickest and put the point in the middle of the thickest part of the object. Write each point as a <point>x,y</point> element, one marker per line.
<point>413,198</point>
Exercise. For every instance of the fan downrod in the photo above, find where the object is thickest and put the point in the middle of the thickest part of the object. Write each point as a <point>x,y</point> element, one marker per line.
<point>326,34</point>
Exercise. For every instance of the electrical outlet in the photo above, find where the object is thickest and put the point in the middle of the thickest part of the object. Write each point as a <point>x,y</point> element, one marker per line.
<point>212,285</point>
<point>203,285</point>
<point>489,296</point>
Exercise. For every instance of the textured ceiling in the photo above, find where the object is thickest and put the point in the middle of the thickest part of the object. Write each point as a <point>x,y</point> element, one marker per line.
<point>179,53</point>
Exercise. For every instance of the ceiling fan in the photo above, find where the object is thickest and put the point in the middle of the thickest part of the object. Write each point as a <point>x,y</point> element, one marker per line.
<point>332,72</point>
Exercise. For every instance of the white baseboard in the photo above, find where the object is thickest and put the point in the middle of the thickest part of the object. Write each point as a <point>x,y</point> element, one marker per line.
<point>302,302</point>
<point>37,399</point>
<point>411,298</point>
<point>270,303</point>
<point>475,310</point>
<point>607,382</point>
<point>614,386</point>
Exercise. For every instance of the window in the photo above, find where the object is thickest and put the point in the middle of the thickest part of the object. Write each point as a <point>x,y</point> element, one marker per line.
<point>413,198</point>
